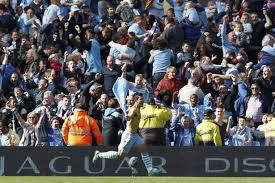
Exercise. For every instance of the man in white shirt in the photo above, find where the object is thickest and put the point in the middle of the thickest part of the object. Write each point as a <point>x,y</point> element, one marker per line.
<point>255,106</point>
<point>127,53</point>
<point>140,86</point>
<point>7,136</point>
<point>188,90</point>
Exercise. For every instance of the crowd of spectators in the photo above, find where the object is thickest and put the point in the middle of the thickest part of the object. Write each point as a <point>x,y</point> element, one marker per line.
<point>204,67</point>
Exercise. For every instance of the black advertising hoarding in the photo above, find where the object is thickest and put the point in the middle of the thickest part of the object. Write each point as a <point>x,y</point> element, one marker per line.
<point>193,161</point>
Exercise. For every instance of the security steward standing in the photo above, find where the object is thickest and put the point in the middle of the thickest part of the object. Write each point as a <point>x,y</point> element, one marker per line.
<point>80,129</point>
<point>270,133</point>
<point>207,132</point>
<point>153,122</point>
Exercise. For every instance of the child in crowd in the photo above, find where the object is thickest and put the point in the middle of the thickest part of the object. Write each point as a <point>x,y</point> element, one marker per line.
<point>72,70</point>
<point>183,57</point>
<point>57,136</point>
<point>185,54</point>
<point>184,130</point>
<point>64,108</point>
<point>247,26</point>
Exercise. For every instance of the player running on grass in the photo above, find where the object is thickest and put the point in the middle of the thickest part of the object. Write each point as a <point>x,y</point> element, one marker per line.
<point>130,138</point>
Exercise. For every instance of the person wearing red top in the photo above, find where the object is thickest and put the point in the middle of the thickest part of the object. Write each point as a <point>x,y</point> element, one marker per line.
<point>169,81</point>
<point>56,66</point>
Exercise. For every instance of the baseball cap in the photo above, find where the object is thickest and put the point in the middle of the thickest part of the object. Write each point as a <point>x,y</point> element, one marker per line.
<point>84,6</point>
<point>74,8</point>
<point>208,112</point>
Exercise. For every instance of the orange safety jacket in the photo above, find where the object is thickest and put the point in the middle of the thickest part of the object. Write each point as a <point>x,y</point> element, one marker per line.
<point>79,130</point>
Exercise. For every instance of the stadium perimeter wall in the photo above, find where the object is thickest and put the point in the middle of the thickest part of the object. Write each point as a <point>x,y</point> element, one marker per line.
<point>189,161</point>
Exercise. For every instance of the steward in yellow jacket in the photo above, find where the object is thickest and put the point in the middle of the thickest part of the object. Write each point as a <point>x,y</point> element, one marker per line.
<point>208,132</point>
<point>152,123</point>
<point>80,130</point>
<point>270,133</point>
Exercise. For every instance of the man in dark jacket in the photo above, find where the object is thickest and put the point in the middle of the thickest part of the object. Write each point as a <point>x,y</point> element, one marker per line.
<point>110,17</point>
<point>90,94</point>
<point>173,34</point>
<point>223,95</point>
<point>36,94</point>
<point>8,84</point>
<point>111,124</point>
<point>7,20</point>
<point>110,73</point>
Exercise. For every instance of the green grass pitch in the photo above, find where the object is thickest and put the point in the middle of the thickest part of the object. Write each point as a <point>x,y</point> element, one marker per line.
<point>96,179</point>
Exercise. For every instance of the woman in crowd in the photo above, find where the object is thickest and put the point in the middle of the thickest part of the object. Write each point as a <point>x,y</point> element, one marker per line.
<point>34,133</point>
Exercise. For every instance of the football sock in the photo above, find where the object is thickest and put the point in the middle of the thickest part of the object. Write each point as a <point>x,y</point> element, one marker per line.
<point>147,161</point>
<point>108,155</point>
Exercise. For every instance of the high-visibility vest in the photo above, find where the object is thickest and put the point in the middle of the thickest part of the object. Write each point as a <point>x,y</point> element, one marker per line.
<point>208,133</point>
<point>79,130</point>
<point>270,129</point>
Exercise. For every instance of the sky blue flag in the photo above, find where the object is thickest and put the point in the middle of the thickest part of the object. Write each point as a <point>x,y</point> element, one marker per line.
<point>120,90</point>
